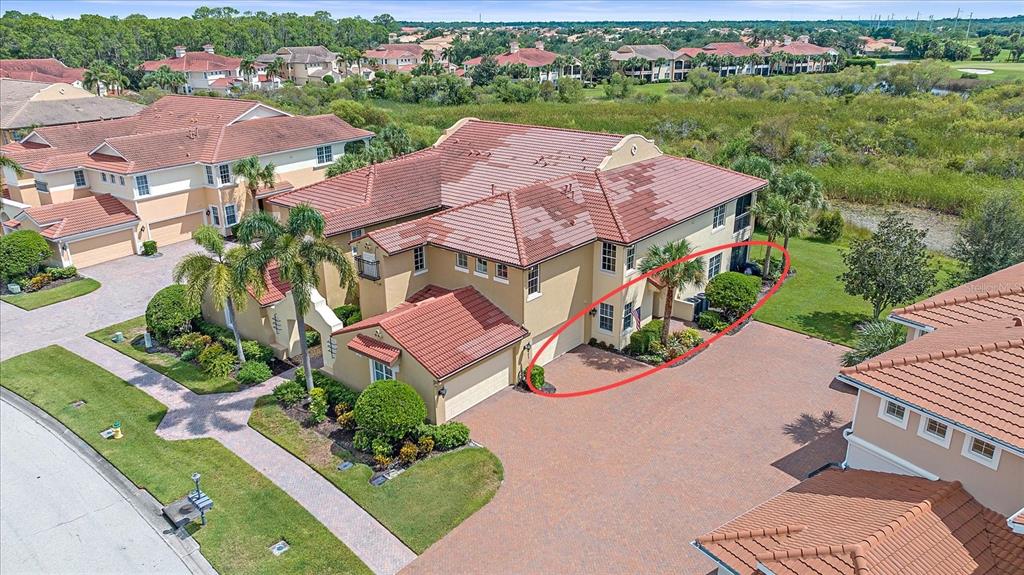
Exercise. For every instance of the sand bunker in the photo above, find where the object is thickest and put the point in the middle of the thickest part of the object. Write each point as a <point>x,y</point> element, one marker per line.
<point>978,71</point>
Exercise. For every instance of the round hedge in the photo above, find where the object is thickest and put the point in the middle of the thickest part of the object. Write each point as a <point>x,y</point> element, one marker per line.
<point>733,292</point>
<point>21,253</point>
<point>389,409</point>
<point>169,313</point>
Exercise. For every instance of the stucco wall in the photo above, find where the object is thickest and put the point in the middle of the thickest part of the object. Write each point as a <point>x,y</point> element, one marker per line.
<point>1000,489</point>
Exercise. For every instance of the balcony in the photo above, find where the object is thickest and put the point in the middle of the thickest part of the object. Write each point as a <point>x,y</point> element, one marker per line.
<point>368,269</point>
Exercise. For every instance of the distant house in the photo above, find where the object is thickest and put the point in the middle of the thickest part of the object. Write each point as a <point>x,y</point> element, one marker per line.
<point>873,47</point>
<point>27,105</point>
<point>536,58</point>
<point>304,64</point>
<point>392,58</point>
<point>725,58</point>
<point>203,70</point>
<point>657,60</point>
<point>47,70</point>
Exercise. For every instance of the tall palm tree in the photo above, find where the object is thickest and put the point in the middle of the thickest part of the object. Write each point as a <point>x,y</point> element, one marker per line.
<point>276,68</point>
<point>354,55</point>
<point>803,191</point>
<point>773,213</point>
<point>448,54</point>
<point>7,162</point>
<point>690,272</point>
<point>214,273</point>
<point>247,68</point>
<point>428,57</point>
<point>299,248</point>
<point>255,175</point>
<point>96,76</point>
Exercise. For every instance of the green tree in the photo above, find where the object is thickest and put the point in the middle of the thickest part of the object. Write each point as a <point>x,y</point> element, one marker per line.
<point>773,213</point>
<point>21,253</point>
<point>874,338</point>
<point>992,236</point>
<point>8,162</point>
<point>674,278</point>
<point>989,47</point>
<point>298,247</point>
<point>484,73</point>
<point>803,191</point>
<point>890,267</point>
<point>164,78</point>
<point>213,274</point>
<point>255,174</point>
<point>703,79</point>
<point>96,76</point>
<point>570,90</point>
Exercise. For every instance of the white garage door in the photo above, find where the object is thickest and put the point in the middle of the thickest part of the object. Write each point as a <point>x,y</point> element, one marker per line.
<point>176,230</point>
<point>477,393</point>
<point>568,339</point>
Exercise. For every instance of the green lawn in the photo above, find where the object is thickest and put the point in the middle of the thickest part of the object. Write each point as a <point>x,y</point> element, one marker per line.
<point>419,506</point>
<point>250,513</point>
<point>168,364</point>
<point>63,292</point>
<point>813,301</point>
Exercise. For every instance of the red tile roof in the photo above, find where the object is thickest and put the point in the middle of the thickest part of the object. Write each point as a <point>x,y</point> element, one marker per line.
<point>972,374</point>
<point>40,70</point>
<point>79,216</point>
<point>195,62</point>
<point>858,522</point>
<point>374,348</point>
<point>177,130</point>
<point>623,205</point>
<point>532,57</point>
<point>995,296</point>
<point>276,287</point>
<point>444,330</point>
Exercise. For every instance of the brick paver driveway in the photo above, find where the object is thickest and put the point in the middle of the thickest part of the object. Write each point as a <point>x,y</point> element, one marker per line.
<point>622,481</point>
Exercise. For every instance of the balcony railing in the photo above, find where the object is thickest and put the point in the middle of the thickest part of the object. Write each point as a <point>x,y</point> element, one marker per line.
<point>368,269</point>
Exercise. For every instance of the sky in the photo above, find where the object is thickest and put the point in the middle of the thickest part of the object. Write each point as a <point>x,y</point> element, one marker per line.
<point>533,10</point>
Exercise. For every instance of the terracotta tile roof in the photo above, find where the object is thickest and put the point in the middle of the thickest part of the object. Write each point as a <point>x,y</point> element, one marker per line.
<point>40,70</point>
<point>972,374</point>
<point>276,287</point>
<point>536,222</point>
<point>444,330</point>
<point>374,348</point>
<point>279,187</point>
<point>732,49</point>
<point>858,522</point>
<point>79,216</point>
<point>201,61</point>
<point>12,223</point>
<point>995,296</point>
<point>532,57</point>
<point>802,49</point>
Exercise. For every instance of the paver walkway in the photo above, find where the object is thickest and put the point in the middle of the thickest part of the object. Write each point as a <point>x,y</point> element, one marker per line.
<point>224,417</point>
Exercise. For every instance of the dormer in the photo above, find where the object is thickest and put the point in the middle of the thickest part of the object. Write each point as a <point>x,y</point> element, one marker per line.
<point>179,51</point>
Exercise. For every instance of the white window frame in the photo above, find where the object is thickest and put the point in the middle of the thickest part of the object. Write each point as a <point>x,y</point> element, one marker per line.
<point>324,155</point>
<point>533,277</point>
<point>352,237</point>
<point>715,265</point>
<point>501,273</point>
<point>142,185</point>
<point>210,181</point>
<point>969,439</point>
<point>215,215</point>
<point>229,215</point>
<point>419,260</point>
<point>84,182</point>
<point>381,368</point>
<point>922,430</point>
<point>605,311</point>
<point>609,258</point>
<point>884,414</point>
<point>224,174</point>
<point>718,218</point>
<point>631,258</point>
<point>120,180</point>
<point>461,262</point>
<point>42,186</point>
<point>486,268</point>
<point>627,315</point>
<point>103,176</point>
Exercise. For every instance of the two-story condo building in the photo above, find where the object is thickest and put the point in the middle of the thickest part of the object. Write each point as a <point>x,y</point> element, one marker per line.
<point>658,61</point>
<point>934,473</point>
<point>393,58</point>
<point>724,58</point>
<point>304,64</point>
<point>170,165</point>
<point>541,61</point>
<point>203,70</point>
<point>525,226</point>
<point>47,70</point>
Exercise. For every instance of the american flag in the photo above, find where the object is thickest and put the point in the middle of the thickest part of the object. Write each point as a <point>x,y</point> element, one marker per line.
<point>636,316</point>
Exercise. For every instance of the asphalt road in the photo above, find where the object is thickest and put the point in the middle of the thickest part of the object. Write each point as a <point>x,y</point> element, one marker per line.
<point>58,514</point>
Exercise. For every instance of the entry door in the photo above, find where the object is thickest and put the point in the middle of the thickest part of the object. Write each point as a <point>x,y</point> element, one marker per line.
<point>738,257</point>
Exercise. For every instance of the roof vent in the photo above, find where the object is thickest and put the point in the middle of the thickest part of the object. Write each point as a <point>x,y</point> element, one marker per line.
<point>1018,322</point>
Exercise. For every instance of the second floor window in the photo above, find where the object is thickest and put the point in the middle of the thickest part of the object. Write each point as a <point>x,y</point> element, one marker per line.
<point>324,155</point>
<point>230,215</point>
<point>605,316</point>
<point>631,257</point>
<point>103,175</point>
<point>225,173</point>
<point>209,176</point>
<point>42,186</point>
<point>481,266</point>
<point>79,178</point>
<point>121,180</point>
<point>501,272</point>
<point>419,259</point>
<point>607,257</point>
<point>462,261</point>
<point>743,212</point>
<point>714,265</point>
<point>533,280</point>
<point>718,219</point>
<point>142,184</point>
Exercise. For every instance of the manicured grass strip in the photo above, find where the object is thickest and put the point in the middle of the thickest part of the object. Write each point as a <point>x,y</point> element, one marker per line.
<point>419,506</point>
<point>63,292</point>
<point>168,364</point>
<point>813,301</point>
<point>250,513</point>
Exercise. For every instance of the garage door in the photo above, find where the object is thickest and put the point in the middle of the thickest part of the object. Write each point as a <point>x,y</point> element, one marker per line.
<point>568,339</point>
<point>101,249</point>
<point>476,393</point>
<point>176,230</point>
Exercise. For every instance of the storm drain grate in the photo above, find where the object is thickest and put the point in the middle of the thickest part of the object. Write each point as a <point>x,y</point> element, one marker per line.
<point>279,547</point>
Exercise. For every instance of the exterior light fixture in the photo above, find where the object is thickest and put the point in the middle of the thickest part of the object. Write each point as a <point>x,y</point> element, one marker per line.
<point>442,392</point>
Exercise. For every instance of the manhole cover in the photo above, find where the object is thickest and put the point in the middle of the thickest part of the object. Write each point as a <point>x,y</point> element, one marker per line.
<point>279,547</point>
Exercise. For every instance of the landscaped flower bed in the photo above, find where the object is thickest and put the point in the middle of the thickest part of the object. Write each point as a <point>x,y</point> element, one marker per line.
<point>645,343</point>
<point>46,279</point>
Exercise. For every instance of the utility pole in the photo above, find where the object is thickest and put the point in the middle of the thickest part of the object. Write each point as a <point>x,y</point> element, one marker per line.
<point>916,19</point>
<point>969,18</point>
<point>956,20</point>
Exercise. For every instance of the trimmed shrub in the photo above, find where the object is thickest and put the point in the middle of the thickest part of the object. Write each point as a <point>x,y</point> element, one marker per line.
<point>169,313</point>
<point>21,253</point>
<point>733,292</point>
<point>189,355</point>
<point>256,351</point>
<point>381,446</point>
<point>347,420</point>
<point>192,340</point>
<point>149,248</point>
<point>289,393</point>
<point>425,445</point>
<point>215,361</point>
<point>62,273</point>
<point>830,226</point>
<point>450,435</point>
<point>338,394</point>
<point>711,321</point>
<point>253,372</point>
<point>312,337</point>
<point>408,453</point>
<point>317,405</point>
<point>349,314</point>
<point>213,330</point>
<point>362,441</point>
<point>537,377</point>
<point>39,281</point>
<point>390,409</point>
<point>689,337</point>
<point>640,341</point>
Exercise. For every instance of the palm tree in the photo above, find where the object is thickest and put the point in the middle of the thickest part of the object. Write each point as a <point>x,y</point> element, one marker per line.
<point>690,272</point>
<point>874,338</point>
<point>803,192</point>
<point>299,248</point>
<point>354,55</point>
<point>428,57</point>
<point>96,76</point>
<point>772,212</point>
<point>255,175</point>
<point>276,68</point>
<point>247,68</point>
<point>448,54</point>
<point>215,273</point>
<point>165,78</point>
<point>7,162</point>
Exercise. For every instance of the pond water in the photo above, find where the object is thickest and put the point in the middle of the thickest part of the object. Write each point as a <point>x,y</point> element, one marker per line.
<point>941,227</point>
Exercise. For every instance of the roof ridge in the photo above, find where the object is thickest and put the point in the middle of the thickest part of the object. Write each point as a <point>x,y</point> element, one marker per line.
<point>855,550</point>
<point>751,533</point>
<point>935,355</point>
<point>513,208</point>
<point>574,130</point>
<point>611,209</point>
<point>926,305</point>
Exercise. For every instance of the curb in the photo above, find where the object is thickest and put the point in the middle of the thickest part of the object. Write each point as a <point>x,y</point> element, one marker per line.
<point>147,506</point>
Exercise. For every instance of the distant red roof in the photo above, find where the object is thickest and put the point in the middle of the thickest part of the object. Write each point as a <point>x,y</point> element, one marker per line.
<point>444,330</point>
<point>995,296</point>
<point>201,61</point>
<point>40,70</point>
<point>276,287</point>
<point>532,57</point>
<point>858,522</point>
<point>374,348</point>
<point>87,214</point>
